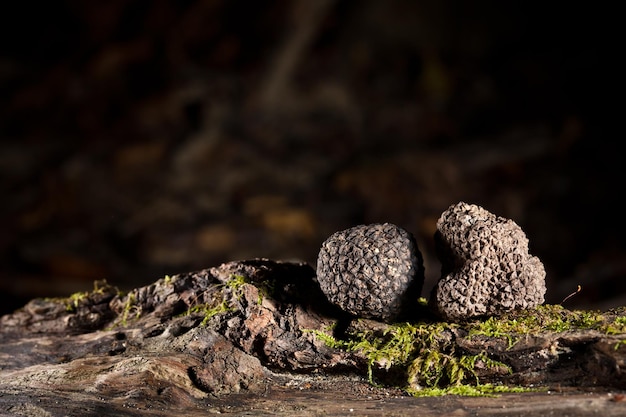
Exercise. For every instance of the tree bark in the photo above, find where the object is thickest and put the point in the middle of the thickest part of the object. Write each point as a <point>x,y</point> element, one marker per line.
<point>248,335</point>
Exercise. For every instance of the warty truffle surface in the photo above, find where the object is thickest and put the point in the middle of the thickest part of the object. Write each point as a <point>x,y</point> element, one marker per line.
<point>371,271</point>
<point>486,267</point>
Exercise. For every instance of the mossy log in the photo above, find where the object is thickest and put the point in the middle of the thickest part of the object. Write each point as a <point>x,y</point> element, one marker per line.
<point>257,332</point>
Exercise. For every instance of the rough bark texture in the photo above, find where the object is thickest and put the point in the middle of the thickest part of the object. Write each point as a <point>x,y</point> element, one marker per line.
<point>239,338</point>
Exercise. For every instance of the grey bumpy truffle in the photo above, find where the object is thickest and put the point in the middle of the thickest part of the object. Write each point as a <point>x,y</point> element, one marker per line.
<point>371,271</point>
<point>486,267</point>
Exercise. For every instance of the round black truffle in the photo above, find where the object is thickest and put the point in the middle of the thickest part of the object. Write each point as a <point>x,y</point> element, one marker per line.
<point>371,271</point>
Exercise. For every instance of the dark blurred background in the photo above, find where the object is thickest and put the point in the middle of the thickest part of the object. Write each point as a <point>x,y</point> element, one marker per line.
<point>144,138</point>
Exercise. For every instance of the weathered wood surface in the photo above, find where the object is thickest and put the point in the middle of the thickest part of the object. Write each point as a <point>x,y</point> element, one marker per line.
<point>237,339</point>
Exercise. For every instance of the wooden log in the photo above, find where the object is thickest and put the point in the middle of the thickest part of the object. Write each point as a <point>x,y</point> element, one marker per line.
<point>260,333</point>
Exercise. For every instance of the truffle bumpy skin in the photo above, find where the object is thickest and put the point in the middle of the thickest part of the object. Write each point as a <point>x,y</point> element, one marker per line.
<point>371,271</point>
<point>486,267</point>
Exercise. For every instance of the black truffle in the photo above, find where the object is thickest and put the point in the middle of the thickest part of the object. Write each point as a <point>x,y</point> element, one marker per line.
<point>371,271</point>
<point>486,268</point>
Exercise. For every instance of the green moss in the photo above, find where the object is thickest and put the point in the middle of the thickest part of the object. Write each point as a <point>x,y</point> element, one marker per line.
<point>74,300</point>
<point>432,363</point>
<point>222,300</point>
<point>328,339</point>
<point>492,327</point>
<point>619,344</point>
<point>427,358</point>
<point>555,318</point>
<point>465,390</point>
<point>266,288</point>
<point>236,283</point>
<point>618,326</point>
<point>621,321</point>
<point>209,310</point>
<point>130,310</point>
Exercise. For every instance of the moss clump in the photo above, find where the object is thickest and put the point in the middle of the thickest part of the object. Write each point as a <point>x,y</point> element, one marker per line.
<point>425,355</point>
<point>222,300</point>
<point>236,283</point>
<point>75,300</point>
<point>465,390</point>
<point>618,326</point>
<point>432,364</point>
<point>130,310</point>
<point>208,310</point>
<point>554,318</point>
